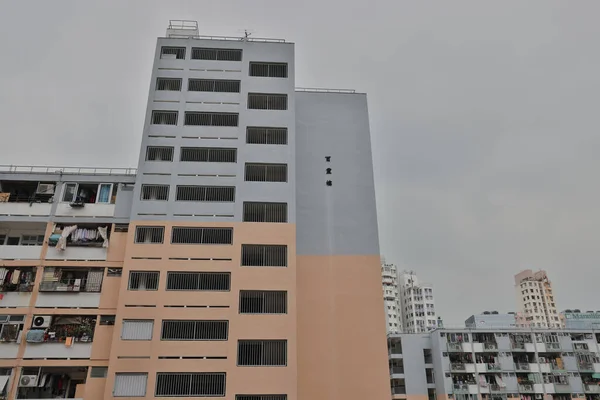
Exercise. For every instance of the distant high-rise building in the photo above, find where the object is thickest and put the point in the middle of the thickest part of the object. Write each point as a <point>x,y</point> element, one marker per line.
<point>535,300</point>
<point>391,297</point>
<point>416,303</point>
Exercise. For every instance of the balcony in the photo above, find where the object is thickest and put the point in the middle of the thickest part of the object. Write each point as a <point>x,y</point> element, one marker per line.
<point>495,388</point>
<point>526,388</point>
<point>585,366</point>
<point>398,389</point>
<point>522,366</point>
<point>20,252</point>
<point>396,371</point>
<point>493,367</point>
<point>26,198</point>
<point>458,367</point>
<point>87,200</point>
<point>562,388</point>
<point>460,388</point>
<point>37,383</point>
<point>455,346</point>
<point>591,388</point>
<point>61,336</point>
<point>86,242</point>
<point>517,346</point>
<point>490,346</point>
<point>60,287</point>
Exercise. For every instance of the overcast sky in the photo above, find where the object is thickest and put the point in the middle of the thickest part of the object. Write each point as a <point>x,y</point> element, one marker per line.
<point>484,118</point>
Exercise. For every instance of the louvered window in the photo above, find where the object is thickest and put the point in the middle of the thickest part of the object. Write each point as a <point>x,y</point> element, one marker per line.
<point>208,154</point>
<point>174,53</point>
<point>194,118</point>
<point>261,397</point>
<point>155,192</point>
<point>263,302</point>
<point>267,69</point>
<point>263,255</point>
<point>173,84</point>
<point>137,329</point>
<point>204,53</point>
<point>149,234</point>
<point>214,85</point>
<point>159,153</point>
<point>262,353</point>
<point>190,384</point>
<point>194,330</point>
<point>206,193</point>
<point>201,281</point>
<point>164,117</point>
<point>130,385</point>
<point>184,235</point>
<point>265,212</point>
<point>264,135</point>
<point>266,172</point>
<point>265,101</point>
<point>143,280</point>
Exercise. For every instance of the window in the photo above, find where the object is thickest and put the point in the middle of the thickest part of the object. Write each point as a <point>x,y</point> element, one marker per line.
<point>149,234</point>
<point>267,101</point>
<point>143,280</point>
<point>172,53</point>
<point>121,227</point>
<point>191,384</point>
<point>164,117</point>
<point>107,320</point>
<point>266,172</point>
<point>267,69</point>
<point>204,53</point>
<point>261,397</point>
<point>208,154</point>
<point>262,255</point>
<point>172,84</point>
<point>13,241</point>
<point>185,235</point>
<point>155,192</point>
<point>102,193</point>
<point>211,118</point>
<point>32,240</point>
<point>214,85</point>
<point>206,193</point>
<point>159,153</point>
<point>137,329</point>
<point>99,372</point>
<point>263,302</point>
<point>10,327</point>
<point>265,212</point>
<point>130,385</point>
<point>262,353</point>
<point>114,272</point>
<point>194,330</point>
<point>264,135</point>
<point>202,281</point>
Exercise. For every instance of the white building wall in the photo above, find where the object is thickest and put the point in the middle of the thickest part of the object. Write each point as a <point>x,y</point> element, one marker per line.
<point>535,300</point>
<point>417,303</point>
<point>391,297</point>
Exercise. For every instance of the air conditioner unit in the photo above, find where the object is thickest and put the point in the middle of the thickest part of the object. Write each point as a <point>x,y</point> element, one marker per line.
<point>28,381</point>
<point>45,188</point>
<point>41,321</point>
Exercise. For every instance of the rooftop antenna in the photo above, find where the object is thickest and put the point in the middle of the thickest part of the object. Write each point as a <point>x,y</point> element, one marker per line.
<point>247,34</point>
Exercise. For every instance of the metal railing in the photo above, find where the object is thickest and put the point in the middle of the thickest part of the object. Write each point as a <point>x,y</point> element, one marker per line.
<point>460,388</point>
<point>396,370</point>
<point>518,346</point>
<point>526,387</point>
<point>228,38</point>
<point>493,367</point>
<point>585,366</point>
<point>398,390</point>
<point>70,285</point>
<point>458,367</point>
<point>490,346</point>
<point>522,366</point>
<point>324,90</point>
<point>36,169</point>
<point>497,388</point>
<point>455,346</point>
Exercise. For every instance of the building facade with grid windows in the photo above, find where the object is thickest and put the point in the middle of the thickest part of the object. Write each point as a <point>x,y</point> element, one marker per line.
<point>213,270</point>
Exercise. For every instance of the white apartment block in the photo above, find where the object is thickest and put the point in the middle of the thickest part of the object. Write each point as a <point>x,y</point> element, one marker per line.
<point>535,300</point>
<point>391,297</point>
<point>417,304</point>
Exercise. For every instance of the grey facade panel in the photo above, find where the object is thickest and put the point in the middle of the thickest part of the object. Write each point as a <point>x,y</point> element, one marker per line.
<point>340,219</point>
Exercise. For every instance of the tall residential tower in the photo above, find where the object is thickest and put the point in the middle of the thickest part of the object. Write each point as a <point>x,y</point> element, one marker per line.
<point>391,297</point>
<point>240,261</point>
<point>417,304</point>
<point>535,300</point>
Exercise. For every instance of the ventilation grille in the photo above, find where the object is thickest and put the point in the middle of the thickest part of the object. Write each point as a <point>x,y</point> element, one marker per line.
<point>155,192</point>
<point>149,234</point>
<point>193,118</point>
<point>173,84</point>
<point>203,53</point>
<point>263,101</point>
<point>263,302</point>
<point>261,397</point>
<point>206,193</point>
<point>182,235</point>
<point>208,154</point>
<point>214,85</point>
<point>271,70</point>
<point>159,153</point>
<point>143,280</point>
<point>266,172</point>
<point>264,135</point>
<point>201,281</point>
<point>265,212</point>
<point>194,330</point>
<point>262,255</point>
<point>262,353</point>
<point>164,117</point>
<point>195,384</point>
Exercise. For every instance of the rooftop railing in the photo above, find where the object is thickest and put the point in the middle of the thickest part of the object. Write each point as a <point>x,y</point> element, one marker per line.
<point>324,90</point>
<point>37,169</point>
